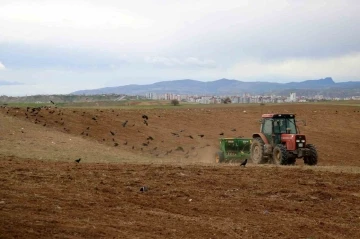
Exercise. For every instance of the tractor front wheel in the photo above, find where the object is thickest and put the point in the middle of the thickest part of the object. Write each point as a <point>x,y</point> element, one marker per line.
<point>219,157</point>
<point>257,151</point>
<point>280,155</point>
<point>313,157</point>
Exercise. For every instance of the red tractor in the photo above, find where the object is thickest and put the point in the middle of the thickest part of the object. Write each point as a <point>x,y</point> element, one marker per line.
<point>280,142</point>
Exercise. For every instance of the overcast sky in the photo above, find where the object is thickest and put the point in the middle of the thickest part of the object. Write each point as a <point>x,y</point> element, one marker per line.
<point>49,47</point>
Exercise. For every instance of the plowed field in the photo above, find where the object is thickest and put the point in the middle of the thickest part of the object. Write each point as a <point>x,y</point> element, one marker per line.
<point>44,193</point>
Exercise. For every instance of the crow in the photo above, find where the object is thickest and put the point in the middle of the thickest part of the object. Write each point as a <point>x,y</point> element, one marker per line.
<point>150,138</point>
<point>116,144</point>
<point>77,160</point>
<point>124,124</point>
<point>201,135</point>
<point>93,118</point>
<point>244,163</point>
<point>52,102</point>
<point>112,133</point>
<point>190,136</point>
<point>221,133</point>
<point>145,144</point>
<point>145,117</point>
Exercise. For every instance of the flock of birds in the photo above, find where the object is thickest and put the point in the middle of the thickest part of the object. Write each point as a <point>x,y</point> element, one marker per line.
<point>58,118</point>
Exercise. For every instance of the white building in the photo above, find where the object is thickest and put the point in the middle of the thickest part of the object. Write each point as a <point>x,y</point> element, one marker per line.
<point>292,97</point>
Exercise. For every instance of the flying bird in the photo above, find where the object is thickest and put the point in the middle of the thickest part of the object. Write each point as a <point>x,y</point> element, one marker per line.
<point>52,102</point>
<point>244,163</point>
<point>77,160</point>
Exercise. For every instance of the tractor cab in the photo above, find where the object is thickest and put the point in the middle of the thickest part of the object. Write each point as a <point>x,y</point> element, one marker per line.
<point>273,126</point>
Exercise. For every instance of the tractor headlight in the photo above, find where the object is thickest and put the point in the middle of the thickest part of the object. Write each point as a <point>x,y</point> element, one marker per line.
<point>301,145</point>
<point>298,140</point>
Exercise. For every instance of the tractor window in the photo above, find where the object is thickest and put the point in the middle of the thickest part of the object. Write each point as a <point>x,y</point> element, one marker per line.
<point>291,125</point>
<point>267,127</point>
<point>284,125</point>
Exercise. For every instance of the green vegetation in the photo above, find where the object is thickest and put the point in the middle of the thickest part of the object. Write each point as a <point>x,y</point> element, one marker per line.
<point>175,102</point>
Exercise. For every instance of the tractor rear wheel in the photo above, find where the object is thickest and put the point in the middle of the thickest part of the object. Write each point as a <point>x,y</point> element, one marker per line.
<point>257,151</point>
<point>313,157</point>
<point>219,157</point>
<point>280,155</point>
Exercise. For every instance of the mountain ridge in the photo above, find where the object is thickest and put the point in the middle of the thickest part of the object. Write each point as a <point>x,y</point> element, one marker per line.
<point>221,87</point>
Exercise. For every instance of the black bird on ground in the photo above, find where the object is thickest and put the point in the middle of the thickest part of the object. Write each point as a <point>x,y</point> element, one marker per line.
<point>201,135</point>
<point>190,136</point>
<point>93,118</point>
<point>145,122</point>
<point>112,133</point>
<point>244,163</point>
<point>124,124</point>
<point>221,134</point>
<point>144,189</point>
<point>145,117</point>
<point>150,138</point>
<point>233,130</point>
<point>77,160</point>
<point>116,144</point>
<point>175,134</point>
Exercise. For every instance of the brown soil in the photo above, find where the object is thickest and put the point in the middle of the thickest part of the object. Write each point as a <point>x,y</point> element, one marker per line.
<point>44,193</point>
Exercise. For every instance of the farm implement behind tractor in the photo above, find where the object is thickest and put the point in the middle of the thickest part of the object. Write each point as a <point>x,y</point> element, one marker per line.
<point>233,150</point>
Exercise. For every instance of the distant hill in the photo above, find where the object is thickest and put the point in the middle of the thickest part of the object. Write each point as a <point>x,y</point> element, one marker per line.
<point>225,87</point>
